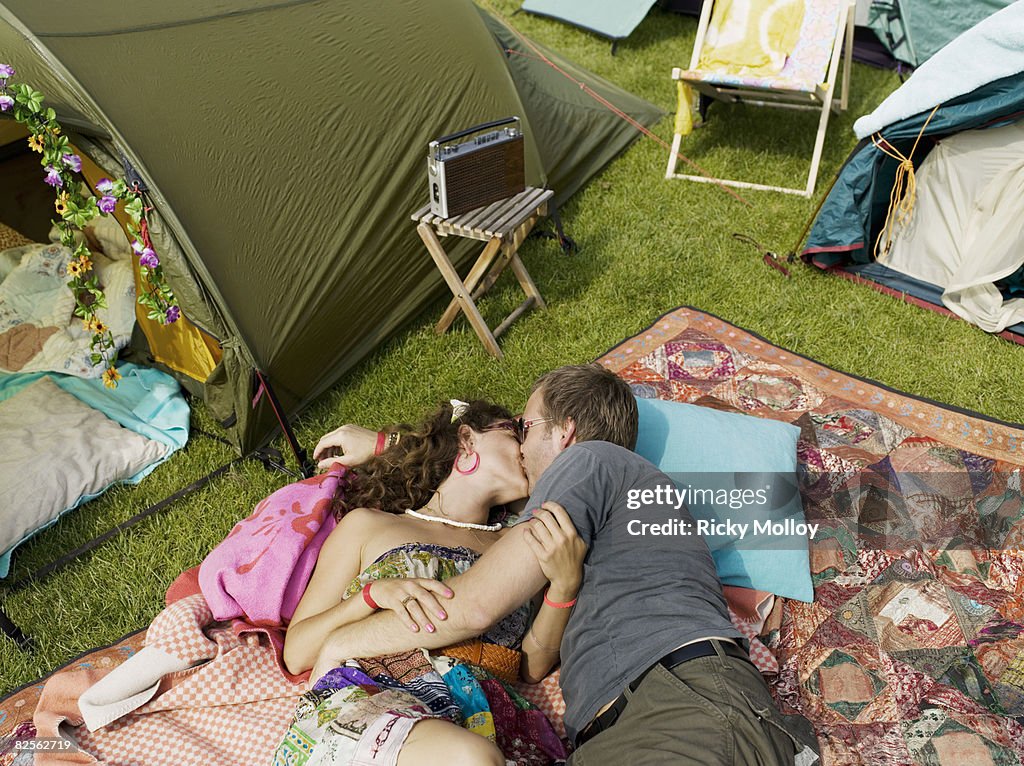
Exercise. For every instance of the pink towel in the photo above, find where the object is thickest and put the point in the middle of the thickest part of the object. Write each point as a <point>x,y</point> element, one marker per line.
<point>261,568</point>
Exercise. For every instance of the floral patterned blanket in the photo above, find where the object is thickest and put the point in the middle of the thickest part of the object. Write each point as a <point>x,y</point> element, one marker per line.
<point>913,650</point>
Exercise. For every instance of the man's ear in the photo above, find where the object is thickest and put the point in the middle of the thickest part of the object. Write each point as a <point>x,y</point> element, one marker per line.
<point>568,434</point>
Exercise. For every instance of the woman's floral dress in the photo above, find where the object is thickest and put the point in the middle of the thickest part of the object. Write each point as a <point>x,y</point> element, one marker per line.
<point>362,712</point>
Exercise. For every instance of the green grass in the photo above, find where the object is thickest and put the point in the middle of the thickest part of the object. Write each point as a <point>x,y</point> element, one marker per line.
<point>646,246</point>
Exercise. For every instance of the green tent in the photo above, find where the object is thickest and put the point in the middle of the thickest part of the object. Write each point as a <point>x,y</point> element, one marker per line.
<point>283,145</point>
<point>914,30</point>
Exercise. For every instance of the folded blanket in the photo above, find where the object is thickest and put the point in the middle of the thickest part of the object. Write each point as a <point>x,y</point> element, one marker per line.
<point>261,569</point>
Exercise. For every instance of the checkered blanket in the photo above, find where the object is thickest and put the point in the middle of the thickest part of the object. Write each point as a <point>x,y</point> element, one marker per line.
<point>227,701</point>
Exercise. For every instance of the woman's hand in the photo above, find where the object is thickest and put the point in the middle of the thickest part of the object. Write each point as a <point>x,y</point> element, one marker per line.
<point>351,444</point>
<point>413,599</point>
<point>560,551</point>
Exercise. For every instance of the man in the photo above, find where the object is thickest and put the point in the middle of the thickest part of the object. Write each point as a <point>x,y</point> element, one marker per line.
<point>651,668</point>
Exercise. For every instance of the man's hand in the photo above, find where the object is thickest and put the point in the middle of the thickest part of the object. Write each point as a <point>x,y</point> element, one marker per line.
<point>413,600</point>
<point>351,444</point>
<point>559,550</point>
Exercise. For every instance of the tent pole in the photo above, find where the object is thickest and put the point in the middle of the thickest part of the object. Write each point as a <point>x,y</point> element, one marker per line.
<point>13,632</point>
<point>306,467</point>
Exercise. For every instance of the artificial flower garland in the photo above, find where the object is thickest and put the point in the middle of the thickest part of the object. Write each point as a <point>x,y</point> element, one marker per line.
<point>76,209</point>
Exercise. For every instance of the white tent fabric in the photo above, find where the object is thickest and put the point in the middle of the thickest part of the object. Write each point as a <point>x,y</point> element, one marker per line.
<point>967,227</point>
<point>990,50</point>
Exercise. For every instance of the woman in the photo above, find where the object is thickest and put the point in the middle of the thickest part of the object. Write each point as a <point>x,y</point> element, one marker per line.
<point>433,493</point>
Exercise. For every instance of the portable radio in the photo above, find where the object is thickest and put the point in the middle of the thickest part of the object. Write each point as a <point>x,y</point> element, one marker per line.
<point>475,167</point>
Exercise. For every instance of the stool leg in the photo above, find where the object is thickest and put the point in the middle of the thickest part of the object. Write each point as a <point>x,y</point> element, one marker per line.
<point>526,282</point>
<point>478,270</point>
<point>451,276</point>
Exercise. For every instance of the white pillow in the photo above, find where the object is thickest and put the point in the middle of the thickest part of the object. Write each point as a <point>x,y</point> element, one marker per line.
<point>53,450</point>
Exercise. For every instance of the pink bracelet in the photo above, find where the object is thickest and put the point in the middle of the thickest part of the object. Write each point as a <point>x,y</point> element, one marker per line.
<point>379,448</point>
<point>368,598</point>
<point>556,605</point>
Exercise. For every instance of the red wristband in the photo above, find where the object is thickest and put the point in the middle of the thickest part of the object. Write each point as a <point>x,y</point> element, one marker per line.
<point>368,598</point>
<point>555,604</point>
<point>381,437</point>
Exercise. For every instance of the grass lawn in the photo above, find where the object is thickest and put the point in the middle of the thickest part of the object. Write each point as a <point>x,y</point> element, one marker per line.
<point>647,245</point>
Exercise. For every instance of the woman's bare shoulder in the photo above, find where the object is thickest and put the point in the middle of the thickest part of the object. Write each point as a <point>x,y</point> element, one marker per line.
<point>361,523</point>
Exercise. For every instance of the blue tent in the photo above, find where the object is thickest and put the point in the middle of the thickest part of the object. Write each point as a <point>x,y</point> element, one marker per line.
<point>975,83</point>
<point>614,19</point>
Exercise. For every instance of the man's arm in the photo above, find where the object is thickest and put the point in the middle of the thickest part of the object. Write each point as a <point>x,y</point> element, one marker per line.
<point>504,578</point>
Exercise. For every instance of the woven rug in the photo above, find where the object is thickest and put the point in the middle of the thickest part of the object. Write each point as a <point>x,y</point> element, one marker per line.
<point>913,650</point>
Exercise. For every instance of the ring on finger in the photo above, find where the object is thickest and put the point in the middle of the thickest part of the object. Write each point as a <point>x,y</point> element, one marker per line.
<point>407,599</point>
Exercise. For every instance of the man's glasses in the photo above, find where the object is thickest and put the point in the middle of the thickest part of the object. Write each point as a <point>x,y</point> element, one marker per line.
<point>523,426</point>
<point>518,427</point>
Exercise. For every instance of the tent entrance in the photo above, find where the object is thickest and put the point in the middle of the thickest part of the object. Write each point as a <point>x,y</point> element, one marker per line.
<point>965,233</point>
<point>26,205</point>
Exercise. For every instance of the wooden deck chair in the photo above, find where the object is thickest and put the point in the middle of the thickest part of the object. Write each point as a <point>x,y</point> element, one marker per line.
<point>783,53</point>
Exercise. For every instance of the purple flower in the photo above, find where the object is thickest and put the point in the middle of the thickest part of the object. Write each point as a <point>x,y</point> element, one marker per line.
<point>53,176</point>
<point>172,315</point>
<point>6,70</point>
<point>73,161</point>
<point>104,186</point>
<point>148,259</point>
<point>6,102</point>
<point>107,204</point>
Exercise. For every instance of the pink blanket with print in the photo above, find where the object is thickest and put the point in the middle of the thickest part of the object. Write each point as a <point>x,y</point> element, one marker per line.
<point>260,570</point>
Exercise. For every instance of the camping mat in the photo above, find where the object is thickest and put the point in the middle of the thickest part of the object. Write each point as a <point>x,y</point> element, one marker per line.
<point>912,649</point>
<point>16,708</point>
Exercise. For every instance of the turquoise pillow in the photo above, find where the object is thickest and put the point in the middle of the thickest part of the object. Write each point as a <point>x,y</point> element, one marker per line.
<point>738,473</point>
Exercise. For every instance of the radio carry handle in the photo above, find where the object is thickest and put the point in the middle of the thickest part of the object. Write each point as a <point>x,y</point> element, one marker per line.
<point>475,129</point>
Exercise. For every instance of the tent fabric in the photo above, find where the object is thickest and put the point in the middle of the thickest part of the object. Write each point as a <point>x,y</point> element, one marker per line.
<point>990,51</point>
<point>969,220</point>
<point>915,30</point>
<point>613,19</point>
<point>283,146</point>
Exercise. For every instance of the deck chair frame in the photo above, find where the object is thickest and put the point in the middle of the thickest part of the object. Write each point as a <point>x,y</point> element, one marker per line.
<point>819,99</point>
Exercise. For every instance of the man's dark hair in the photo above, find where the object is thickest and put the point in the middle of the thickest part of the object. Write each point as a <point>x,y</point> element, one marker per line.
<point>598,401</point>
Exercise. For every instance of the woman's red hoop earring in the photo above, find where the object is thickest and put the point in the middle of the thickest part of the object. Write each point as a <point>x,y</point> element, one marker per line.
<point>476,464</point>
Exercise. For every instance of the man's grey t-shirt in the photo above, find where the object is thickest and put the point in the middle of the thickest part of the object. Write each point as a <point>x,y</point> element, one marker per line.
<point>642,595</point>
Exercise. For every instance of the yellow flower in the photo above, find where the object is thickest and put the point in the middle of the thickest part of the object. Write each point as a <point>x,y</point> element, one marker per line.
<point>98,327</point>
<point>84,263</point>
<point>87,324</point>
<point>55,130</point>
<point>75,268</point>
<point>35,143</point>
<point>61,204</point>
<point>110,377</point>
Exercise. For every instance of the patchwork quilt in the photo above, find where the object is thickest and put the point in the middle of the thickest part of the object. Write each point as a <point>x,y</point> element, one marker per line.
<point>913,650</point>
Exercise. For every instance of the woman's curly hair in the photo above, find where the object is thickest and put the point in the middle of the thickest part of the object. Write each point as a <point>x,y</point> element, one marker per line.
<point>406,475</point>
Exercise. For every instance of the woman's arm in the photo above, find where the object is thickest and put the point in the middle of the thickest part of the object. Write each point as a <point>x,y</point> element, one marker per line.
<point>322,610</point>
<point>352,445</point>
<point>560,551</point>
